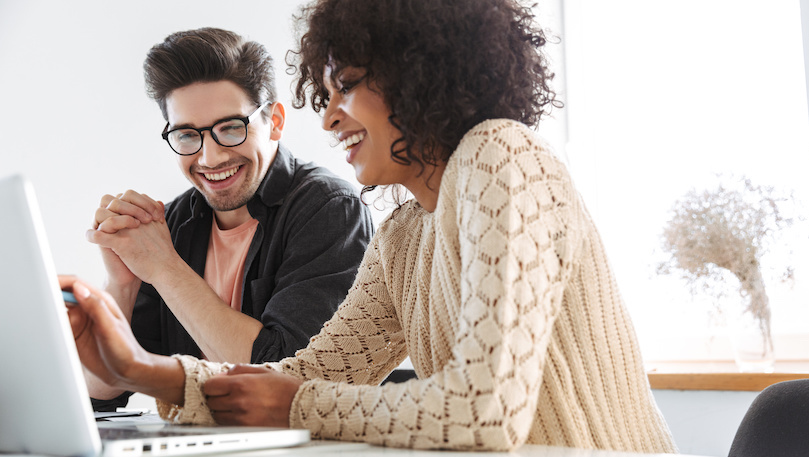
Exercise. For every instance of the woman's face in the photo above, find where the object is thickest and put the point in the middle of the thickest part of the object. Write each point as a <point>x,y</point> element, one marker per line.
<point>358,115</point>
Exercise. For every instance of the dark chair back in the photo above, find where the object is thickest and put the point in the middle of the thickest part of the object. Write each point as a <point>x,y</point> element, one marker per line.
<point>776,424</point>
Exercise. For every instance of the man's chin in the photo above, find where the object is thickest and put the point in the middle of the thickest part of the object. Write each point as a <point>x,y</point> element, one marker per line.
<point>220,202</point>
<point>229,199</point>
<point>221,205</point>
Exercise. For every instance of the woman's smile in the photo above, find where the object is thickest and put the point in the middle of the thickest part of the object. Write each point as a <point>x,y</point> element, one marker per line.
<point>352,144</point>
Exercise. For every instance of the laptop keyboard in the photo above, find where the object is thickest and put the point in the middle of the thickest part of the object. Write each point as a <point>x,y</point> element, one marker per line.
<point>134,433</point>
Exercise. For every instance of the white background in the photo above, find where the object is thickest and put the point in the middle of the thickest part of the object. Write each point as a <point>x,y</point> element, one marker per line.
<point>661,94</point>
<point>74,117</point>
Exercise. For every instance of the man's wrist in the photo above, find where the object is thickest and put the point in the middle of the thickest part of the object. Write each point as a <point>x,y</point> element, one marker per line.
<point>170,272</point>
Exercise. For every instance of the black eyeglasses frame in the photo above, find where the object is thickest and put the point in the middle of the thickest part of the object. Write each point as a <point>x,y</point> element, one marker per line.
<point>245,119</point>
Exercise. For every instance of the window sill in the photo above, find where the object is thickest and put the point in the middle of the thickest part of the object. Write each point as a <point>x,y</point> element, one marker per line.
<point>720,375</point>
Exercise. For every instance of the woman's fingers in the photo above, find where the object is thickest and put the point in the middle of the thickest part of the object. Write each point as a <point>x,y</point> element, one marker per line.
<point>252,395</point>
<point>244,369</point>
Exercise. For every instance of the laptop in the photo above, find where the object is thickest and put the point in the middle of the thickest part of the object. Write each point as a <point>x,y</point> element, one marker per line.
<point>44,405</point>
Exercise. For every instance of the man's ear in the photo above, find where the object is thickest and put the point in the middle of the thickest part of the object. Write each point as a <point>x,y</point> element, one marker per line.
<point>277,119</point>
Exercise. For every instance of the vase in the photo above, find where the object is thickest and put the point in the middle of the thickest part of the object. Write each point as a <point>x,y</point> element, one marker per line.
<point>752,344</point>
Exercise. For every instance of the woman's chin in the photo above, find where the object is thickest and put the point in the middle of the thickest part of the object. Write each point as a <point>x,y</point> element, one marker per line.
<point>361,178</point>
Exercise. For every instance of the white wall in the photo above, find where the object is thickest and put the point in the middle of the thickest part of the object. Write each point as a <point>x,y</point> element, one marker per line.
<point>74,117</point>
<point>804,4</point>
<point>703,422</point>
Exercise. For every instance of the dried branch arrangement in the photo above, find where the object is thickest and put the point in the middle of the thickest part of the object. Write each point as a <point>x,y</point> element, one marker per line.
<point>727,229</point>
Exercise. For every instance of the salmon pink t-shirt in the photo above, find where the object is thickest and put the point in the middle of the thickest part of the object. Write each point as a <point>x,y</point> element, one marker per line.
<point>224,267</point>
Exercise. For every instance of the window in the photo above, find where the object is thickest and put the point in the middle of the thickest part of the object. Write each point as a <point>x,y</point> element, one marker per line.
<point>662,96</point>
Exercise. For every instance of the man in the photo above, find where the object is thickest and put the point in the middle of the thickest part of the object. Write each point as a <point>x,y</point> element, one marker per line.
<point>248,264</point>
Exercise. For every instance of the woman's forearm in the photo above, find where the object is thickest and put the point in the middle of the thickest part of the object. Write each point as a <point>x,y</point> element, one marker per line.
<point>161,377</point>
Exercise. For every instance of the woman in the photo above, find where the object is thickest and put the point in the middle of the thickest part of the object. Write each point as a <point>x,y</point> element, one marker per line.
<point>493,279</point>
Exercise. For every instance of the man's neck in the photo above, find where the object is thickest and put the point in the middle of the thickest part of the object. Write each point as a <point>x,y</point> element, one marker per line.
<point>227,220</point>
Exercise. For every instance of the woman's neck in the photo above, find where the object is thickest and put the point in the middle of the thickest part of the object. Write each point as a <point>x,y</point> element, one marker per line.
<point>425,186</point>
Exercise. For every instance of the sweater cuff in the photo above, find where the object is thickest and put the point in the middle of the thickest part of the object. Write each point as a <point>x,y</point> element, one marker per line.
<point>301,407</point>
<point>195,408</point>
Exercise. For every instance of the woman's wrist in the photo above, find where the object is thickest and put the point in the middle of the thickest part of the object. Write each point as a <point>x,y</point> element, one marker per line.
<point>158,376</point>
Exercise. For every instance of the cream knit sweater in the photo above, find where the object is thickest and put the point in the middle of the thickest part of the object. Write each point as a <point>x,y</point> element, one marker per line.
<point>505,302</point>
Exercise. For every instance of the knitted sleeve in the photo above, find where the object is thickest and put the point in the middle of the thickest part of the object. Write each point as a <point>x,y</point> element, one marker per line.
<point>513,209</point>
<point>363,342</point>
<point>360,344</point>
<point>195,409</point>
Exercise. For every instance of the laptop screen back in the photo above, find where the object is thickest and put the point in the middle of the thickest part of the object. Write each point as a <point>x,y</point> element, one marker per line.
<point>44,405</point>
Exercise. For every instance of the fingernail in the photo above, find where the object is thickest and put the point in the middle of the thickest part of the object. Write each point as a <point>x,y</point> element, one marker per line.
<point>80,290</point>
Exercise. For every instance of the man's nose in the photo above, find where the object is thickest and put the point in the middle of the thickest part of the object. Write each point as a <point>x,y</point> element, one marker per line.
<point>212,153</point>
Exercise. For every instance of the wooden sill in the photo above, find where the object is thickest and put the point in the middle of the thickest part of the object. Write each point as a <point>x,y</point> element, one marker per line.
<point>720,375</point>
<point>755,382</point>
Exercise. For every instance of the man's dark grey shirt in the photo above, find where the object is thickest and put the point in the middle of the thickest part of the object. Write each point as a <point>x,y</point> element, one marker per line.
<point>311,236</point>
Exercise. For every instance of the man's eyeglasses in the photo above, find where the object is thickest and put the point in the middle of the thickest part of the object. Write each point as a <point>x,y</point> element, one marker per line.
<point>187,141</point>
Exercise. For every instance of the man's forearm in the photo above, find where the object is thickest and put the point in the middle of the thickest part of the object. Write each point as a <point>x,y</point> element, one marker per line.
<point>222,333</point>
<point>124,295</point>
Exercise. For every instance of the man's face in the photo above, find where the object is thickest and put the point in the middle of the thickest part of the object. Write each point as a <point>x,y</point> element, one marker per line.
<point>228,177</point>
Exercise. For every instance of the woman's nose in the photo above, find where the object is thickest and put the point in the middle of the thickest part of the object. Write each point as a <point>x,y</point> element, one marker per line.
<point>331,118</point>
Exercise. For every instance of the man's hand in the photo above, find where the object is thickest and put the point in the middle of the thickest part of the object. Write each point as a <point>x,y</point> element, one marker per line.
<point>127,210</point>
<point>131,230</point>
<point>115,213</point>
<point>123,211</point>
<point>251,395</point>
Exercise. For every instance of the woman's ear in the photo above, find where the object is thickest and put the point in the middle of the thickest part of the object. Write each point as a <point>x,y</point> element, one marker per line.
<point>277,119</point>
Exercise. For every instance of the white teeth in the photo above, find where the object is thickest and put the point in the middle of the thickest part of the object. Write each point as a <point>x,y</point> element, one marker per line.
<point>351,141</point>
<point>222,175</point>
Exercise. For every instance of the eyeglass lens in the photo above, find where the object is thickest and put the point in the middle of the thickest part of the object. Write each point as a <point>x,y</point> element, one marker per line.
<point>231,132</point>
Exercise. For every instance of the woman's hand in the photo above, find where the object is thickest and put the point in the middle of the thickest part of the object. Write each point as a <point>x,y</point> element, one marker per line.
<point>251,395</point>
<point>109,350</point>
<point>103,337</point>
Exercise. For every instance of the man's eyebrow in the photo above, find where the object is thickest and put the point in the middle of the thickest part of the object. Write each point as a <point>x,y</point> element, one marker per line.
<point>187,125</point>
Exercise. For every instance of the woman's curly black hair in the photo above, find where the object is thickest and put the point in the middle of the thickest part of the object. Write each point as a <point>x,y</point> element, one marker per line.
<point>442,66</point>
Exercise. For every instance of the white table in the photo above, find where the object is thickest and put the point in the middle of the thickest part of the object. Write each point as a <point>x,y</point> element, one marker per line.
<point>330,448</point>
<point>318,447</point>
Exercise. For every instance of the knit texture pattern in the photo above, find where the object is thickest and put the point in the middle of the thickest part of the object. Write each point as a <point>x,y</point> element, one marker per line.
<point>195,409</point>
<point>505,302</point>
